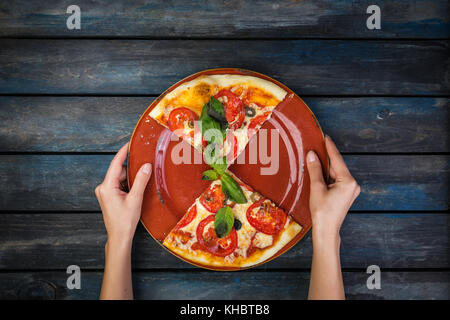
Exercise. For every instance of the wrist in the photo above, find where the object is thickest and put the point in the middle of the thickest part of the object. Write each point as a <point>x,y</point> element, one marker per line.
<point>118,245</point>
<point>325,238</point>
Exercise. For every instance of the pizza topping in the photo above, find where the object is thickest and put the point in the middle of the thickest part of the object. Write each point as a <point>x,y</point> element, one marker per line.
<point>212,129</point>
<point>210,175</point>
<point>232,189</point>
<point>234,108</point>
<point>231,146</point>
<point>256,122</point>
<point>265,217</point>
<point>237,224</point>
<point>213,199</point>
<point>249,111</point>
<point>223,222</point>
<point>216,111</point>
<point>255,196</point>
<point>182,236</point>
<point>188,217</point>
<point>181,118</point>
<point>262,240</point>
<point>208,240</point>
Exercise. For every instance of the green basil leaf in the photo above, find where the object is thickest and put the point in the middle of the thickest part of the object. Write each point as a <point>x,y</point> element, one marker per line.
<point>232,189</point>
<point>223,222</point>
<point>216,111</point>
<point>210,175</point>
<point>208,123</point>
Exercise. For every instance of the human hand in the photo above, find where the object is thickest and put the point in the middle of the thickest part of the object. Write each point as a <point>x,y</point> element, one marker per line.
<point>330,203</point>
<point>121,210</point>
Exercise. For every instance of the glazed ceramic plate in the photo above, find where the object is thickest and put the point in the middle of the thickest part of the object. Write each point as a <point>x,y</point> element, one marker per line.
<point>173,188</point>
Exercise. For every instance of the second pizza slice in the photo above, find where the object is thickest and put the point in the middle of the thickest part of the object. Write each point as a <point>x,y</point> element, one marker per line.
<point>259,230</point>
<point>234,105</point>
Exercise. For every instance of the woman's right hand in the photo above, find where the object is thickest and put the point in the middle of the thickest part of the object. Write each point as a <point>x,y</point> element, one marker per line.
<point>330,203</point>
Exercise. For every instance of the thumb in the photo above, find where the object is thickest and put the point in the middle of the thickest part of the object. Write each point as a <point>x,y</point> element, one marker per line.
<point>315,172</point>
<point>140,182</point>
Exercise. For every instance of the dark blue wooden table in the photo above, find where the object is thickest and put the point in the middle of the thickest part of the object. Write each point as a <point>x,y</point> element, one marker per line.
<point>70,98</point>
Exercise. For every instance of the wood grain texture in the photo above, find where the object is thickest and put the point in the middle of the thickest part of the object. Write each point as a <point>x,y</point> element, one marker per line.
<point>67,182</point>
<point>309,67</point>
<point>104,124</point>
<point>225,19</point>
<point>228,286</point>
<point>389,240</point>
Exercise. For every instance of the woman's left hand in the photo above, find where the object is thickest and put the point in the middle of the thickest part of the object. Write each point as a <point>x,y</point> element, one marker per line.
<point>121,210</point>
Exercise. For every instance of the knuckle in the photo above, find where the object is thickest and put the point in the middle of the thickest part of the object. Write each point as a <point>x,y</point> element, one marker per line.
<point>358,190</point>
<point>352,184</point>
<point>99,190</point>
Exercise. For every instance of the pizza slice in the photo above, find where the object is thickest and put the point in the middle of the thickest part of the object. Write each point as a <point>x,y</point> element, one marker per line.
<point>259,229</point>
<point>236,104</point>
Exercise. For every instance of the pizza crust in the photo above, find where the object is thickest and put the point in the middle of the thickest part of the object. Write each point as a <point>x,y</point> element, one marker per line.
<point>198,98</point>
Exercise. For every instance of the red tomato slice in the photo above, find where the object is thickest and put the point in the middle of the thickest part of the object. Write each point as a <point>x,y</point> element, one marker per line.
<point>179,117</point>
<point>188,217</point>
<point>265,217</point>
<point>232,142</point>
<point>255,122</point>
<point>234,108</point>
<point>213,198</point>
<point>210,242</point>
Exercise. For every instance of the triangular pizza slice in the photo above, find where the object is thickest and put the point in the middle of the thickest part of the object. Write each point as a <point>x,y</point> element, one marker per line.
<point>259,230</point>
<point>237,105</point>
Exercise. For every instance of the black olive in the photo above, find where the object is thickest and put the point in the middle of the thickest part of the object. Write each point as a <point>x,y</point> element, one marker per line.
<point>237,224</point>
<point>249,111</point>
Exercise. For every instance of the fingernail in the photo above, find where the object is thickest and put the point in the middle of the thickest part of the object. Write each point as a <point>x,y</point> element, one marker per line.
<point>312,156</point>
<point>146,168</point>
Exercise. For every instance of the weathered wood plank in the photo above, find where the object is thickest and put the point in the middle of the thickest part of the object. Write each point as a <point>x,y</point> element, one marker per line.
<point>103,124</point>
<point>224,19</point>
<point>309,67</point>
<point>176,285</point>
<point>67,182</point>
<point>55,241</point>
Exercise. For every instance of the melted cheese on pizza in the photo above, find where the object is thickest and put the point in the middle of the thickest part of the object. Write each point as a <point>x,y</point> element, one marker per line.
<point>195,93</point>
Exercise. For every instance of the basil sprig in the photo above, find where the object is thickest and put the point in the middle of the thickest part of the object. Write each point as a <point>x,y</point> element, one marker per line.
<point>223,222</point>
<point>213,117</point>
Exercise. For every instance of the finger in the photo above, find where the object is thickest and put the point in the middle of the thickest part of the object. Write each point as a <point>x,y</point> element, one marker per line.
<point>315,172</point>
<point>356,192</point>
<point>140,182</point>
<point>332,174</point>
<point>123,174</point>
<point>123,180</point>
<point>337,163</point>
<point>112,177</point>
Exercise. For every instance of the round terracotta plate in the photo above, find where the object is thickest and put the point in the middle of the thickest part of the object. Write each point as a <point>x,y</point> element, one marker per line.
<point>173,188</point>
